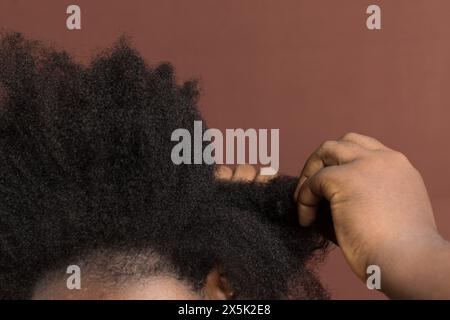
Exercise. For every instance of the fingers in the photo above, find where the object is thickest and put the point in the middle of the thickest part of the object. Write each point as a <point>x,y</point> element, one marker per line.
<point>363,141</point>
<point>330,153</point>
<point>316,188</point>
<point>264,178</point>
<point>223,173</point>
<point>317,178</point>
<point>242,173</point>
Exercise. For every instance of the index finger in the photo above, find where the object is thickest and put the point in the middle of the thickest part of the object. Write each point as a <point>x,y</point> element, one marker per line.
<point>330,153</point>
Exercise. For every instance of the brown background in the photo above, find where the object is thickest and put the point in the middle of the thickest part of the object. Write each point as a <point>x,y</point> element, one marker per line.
<point>310,68</point>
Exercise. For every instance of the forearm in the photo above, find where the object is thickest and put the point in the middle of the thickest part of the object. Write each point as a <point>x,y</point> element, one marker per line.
<point>421,271</point>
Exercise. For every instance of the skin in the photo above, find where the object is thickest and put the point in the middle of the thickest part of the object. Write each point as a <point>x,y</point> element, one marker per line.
<point>155,288</point>
<point>381,214</point>
<point>163,287</point>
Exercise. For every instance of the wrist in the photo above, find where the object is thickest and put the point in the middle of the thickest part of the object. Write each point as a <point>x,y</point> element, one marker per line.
<point>409,265</point>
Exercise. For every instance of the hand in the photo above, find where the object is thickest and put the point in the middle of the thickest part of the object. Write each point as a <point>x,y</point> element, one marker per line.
<point>242,173</point>
<point>379,205</point>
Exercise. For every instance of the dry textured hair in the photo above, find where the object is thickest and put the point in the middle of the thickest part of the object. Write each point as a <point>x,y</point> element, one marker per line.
<point>85,167</point>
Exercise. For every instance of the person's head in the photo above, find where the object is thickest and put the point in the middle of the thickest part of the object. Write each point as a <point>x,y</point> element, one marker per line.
<point>86,180</point>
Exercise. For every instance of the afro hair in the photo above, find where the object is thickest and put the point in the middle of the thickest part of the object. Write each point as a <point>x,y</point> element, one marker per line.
<point>85,167</point>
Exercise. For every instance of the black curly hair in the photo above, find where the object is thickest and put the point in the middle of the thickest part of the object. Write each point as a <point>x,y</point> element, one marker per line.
<point>85,167</point>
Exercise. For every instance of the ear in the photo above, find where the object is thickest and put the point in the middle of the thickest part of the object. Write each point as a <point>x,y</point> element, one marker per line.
<point>217,286</point>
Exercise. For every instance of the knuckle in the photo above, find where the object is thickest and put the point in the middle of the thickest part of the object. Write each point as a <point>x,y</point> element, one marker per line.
<point>245,170</point>
<point>384,161</point>
<point>332,181</point>
<point>400,157</point>
<point>250,169</point>
<point>350,136</point>
<point>329,175</point>
<point>223,172</point>
<point>328,145</point>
